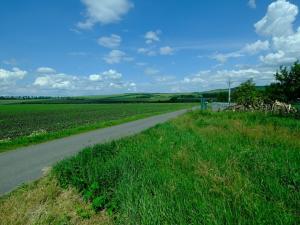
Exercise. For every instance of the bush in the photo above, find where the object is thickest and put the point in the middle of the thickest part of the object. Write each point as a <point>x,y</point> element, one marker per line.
<point>287,86</point>
<point>247,94</point>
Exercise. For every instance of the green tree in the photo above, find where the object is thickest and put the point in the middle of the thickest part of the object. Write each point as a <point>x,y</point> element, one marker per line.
<point>247,94</point>
<point>287,86</point>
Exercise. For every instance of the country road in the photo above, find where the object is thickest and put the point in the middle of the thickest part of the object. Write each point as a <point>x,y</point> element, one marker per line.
<point>26,164</point>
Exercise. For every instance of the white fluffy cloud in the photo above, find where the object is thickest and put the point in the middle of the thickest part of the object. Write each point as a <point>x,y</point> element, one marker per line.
<point>107,75</point>
<point>95,77</point>
<point>256,47</point>
<point>116,56</point>
<point>279,19</point>
<point>56,81</point>
<point>147,51</point>
<point>104,12</point>
<point>210,79</point>
<point>9,78</point>
<point>216,79</point>
<point>283,44</point>
<point>113,41</point>
<point>45,70</point>
<point>54,84</point>
<point>152,36</point>
<point>289,44</point>
<point>278,24</point>
<point>152,51</point>
<point>196,79</point>
<point>14,74</point>
<point>112,75</point>
<point>128,86</point>
<point>249,49</point>
<point>277,58</point>
<point>167,50</point>
<point>222,58</point>
<point>287,50</point>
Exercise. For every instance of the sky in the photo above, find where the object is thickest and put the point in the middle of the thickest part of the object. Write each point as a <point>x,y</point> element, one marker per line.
<point>98,47</point>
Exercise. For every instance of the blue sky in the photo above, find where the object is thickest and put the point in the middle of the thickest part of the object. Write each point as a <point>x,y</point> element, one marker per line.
<point>92,47</point>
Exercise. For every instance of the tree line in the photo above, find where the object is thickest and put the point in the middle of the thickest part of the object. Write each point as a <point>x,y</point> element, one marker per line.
<point>286,88</point>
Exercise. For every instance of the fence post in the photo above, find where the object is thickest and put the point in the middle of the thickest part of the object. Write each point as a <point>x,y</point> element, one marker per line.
<point>203,104</point>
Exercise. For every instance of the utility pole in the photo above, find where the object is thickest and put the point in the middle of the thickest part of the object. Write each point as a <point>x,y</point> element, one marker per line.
<point>229,91</point>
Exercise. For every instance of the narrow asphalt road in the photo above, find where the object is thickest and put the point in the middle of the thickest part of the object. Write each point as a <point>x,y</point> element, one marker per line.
<point>27,164</point>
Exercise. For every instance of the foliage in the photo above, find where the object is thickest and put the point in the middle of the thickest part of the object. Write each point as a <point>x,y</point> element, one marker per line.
<point>44,202</point>
<point>287,86</point>
<point>247,94</point>
<point>202,168</point>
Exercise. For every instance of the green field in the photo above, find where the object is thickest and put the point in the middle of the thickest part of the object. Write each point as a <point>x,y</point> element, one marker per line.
<point>219,95</point>
<point>23,124</point>
<point>202,168</point>
<point>106,99</point>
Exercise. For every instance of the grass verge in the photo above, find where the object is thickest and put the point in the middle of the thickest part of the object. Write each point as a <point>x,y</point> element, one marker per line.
<point>202,168</point>
<point>45,202</point>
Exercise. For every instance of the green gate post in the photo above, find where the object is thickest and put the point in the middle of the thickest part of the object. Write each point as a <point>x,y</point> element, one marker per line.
<point>203,104</point>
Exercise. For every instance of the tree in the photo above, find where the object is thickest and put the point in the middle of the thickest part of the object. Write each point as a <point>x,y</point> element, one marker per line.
<point>287,86</point>
<point>246,94</point>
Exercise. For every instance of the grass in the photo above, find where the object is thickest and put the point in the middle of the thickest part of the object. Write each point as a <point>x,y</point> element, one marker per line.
<point>45,202</point>
<point>203,168</point>
<point>22,125</point>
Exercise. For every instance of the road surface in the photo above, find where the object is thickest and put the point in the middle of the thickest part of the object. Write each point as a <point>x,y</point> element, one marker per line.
<point>27,164</point>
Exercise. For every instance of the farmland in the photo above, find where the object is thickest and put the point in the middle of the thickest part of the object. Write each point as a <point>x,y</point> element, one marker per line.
<point>108,99</point>
<point>117,98</point>
<point>202,168</point>
<point>23,124</point>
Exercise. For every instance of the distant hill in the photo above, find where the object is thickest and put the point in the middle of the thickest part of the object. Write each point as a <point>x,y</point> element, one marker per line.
<point>220,95</point>
<point>262,88</point>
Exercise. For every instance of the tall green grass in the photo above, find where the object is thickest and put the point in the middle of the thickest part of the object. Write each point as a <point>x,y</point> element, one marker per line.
<point>202,168</point>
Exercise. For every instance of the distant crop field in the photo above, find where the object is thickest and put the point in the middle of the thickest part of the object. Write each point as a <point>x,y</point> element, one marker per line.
<point>24,124</point>
<point>111,99</point>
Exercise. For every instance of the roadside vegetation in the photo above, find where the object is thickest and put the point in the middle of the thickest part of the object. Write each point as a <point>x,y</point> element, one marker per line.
<point>286,88</point>
<point>45,202</point>
<point>21,125</point>
<point>287,85</point>
<point>202,168</point>
<point>282,97</point>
